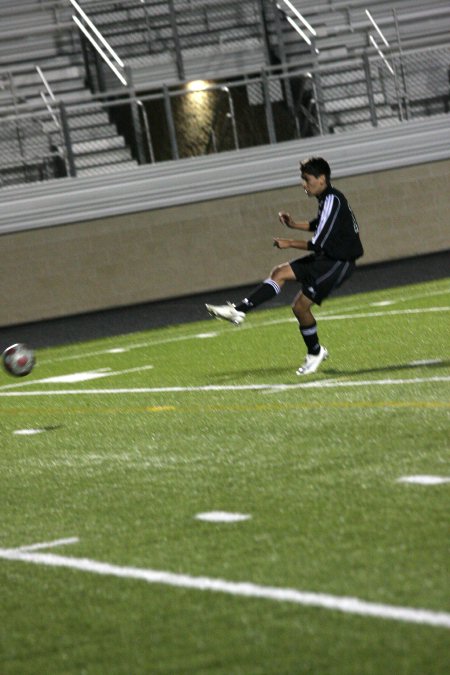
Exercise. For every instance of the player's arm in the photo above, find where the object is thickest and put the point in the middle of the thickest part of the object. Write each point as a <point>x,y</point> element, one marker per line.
<point>287,220</point>
<point>278,242</point>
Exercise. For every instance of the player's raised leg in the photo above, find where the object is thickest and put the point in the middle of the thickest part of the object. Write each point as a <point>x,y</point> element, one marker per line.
<point>265,291</point>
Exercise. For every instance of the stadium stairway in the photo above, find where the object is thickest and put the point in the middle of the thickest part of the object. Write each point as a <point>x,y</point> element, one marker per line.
<point>33,35</point>
<point>341,42</point>
<point>342,27</point>
<point>96,144</point>
<point>216,40</point>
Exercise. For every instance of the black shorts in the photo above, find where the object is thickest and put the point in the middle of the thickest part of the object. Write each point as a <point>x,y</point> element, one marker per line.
<point>319,275</point>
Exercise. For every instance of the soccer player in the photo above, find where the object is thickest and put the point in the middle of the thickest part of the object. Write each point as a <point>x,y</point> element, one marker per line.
<point>334,247</point>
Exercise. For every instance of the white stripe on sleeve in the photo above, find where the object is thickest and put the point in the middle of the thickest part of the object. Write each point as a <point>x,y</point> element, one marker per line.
<point>326,212</point>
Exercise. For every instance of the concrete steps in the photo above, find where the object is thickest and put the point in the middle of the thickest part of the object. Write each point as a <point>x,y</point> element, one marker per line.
<point>99,160</point>
<point>342,40</point>
<point>203,29</point>
<point>95,140</point>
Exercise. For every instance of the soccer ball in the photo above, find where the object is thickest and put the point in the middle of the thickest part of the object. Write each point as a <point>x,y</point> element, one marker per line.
<point>18,360</point>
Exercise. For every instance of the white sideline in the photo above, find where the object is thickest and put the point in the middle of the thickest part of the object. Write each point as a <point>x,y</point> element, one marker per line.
<point>49,544</point>
<point>317,384</point>
<point>344,604</point>
<point>327,316</point>
<point>350,315</point>
<point>85,376</point>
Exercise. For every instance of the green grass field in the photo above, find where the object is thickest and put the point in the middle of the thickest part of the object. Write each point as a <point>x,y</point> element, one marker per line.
<point>111,449</point>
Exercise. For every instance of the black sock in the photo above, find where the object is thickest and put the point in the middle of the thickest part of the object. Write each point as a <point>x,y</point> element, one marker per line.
<point>309,334</point>
<point>265,291</point>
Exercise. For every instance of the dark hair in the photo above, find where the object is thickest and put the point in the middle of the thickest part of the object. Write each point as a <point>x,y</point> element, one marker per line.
<point>316,166</point>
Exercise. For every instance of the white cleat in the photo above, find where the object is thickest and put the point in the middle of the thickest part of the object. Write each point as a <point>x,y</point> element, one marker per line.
<point>227,312</point>
<point>312,362</point>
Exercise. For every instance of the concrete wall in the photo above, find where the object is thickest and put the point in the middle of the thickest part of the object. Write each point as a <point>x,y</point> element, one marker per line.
<point>170,252</point>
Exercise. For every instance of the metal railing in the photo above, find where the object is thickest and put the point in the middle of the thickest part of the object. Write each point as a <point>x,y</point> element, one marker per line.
<point>205,117</point>
<point>143,29</point>
<point>28,151</point>
<point>275,105</point>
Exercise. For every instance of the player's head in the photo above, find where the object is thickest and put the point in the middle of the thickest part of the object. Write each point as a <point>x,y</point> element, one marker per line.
<point>316,166</point>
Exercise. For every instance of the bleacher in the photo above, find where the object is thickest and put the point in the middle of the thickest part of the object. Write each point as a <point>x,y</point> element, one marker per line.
<point>343,27</point>
<point>225,37</point>
<point>342,42</point>
<point>31,31</point>
<point>36,34</point>
<point>216,40</point>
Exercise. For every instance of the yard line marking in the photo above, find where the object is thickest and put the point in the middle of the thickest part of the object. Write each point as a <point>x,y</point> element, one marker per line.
<point>318,384</point>
<point>424,480</point>
<point>28,432</point>
<point>48,544</point>
<point>222,517</point>
<point>138,345</point>
<point>78,377</point>
<point>348,605</point>
<point>341,317</point>
<point>248,326</point>
<point>391,312</point>
<point>406,298</point>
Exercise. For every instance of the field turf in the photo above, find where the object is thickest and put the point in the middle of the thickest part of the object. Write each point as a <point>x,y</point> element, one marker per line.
<point>325,547</point>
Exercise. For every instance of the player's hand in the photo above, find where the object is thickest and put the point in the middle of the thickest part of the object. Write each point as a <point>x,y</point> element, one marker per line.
<point>281,243</point>
<point>285,219</point>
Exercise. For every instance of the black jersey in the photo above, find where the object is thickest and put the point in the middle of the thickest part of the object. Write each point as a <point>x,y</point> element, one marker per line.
<point>336,232</point>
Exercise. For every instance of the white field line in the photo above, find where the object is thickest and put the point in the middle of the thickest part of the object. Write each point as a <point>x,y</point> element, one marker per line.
<point>390,312</point>
<point>139,345</point>
<point>321,384</point>
<point>348,307</point>
<point>48,544</point>
<point>341,317</point>
<point>348,605</point>
<point>391,301</point>
<point>78,377</point>
<point>248,326</point>
<point>424,480</point>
